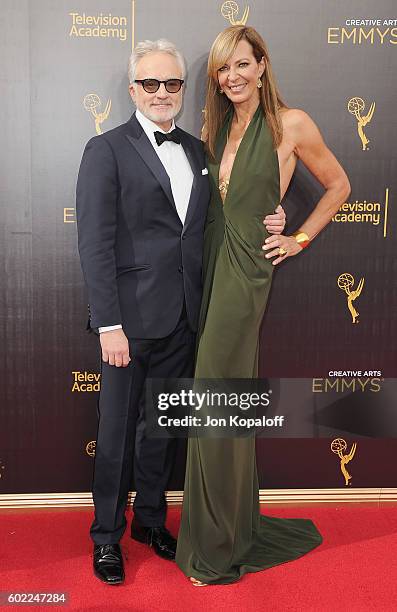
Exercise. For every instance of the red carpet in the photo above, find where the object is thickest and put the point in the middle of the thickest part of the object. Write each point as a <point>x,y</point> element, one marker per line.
<point>354,569</point>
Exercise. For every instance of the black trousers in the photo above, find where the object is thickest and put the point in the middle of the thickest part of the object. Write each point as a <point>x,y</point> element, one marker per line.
<point>122,447</point>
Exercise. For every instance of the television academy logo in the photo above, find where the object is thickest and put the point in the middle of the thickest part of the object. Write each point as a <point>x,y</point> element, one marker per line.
<point>230,11</point>
<point>100,25</point>
<point>86,382</point>
<point>338,446</point>
<point>368,212</point>
<point>355,106</point>
<point>103,25</point>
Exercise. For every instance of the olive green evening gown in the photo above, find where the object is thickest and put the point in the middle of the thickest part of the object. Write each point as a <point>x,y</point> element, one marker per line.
<point>222,534</point>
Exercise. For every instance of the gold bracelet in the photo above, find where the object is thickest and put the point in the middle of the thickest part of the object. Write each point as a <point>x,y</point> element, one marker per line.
<point>301,238</point>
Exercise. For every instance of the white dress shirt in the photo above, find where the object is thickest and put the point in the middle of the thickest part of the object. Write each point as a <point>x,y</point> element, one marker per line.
<point>177,166</point>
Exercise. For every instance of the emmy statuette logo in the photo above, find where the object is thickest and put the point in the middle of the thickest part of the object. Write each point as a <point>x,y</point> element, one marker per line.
<point>338,446</point>
<point>90,448</point>
<point>355,106</point>
<point>230,11</point>
<point>91,102</point>
<point>346,282</point>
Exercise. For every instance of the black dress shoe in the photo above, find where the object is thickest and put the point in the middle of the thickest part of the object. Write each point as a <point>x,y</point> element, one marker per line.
<point>108,563</point>
<point>159,538</point>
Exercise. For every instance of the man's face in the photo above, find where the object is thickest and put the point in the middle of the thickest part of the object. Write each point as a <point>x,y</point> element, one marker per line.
<point>160,107</point>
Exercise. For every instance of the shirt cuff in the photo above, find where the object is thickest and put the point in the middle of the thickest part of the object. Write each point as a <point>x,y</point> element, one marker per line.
<point>109,328</point>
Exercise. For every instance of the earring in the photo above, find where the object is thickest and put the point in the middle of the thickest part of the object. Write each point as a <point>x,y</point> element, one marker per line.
<point>259,84</point>
<point>220,91</point>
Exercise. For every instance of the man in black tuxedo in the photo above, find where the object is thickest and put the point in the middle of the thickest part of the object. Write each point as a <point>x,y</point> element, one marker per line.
<point>142,197</point>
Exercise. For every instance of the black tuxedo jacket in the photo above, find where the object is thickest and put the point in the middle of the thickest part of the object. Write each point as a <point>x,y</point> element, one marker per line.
<point>139,262</point>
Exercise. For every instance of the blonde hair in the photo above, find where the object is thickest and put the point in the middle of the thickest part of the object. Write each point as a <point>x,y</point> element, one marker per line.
<point>217,105</point>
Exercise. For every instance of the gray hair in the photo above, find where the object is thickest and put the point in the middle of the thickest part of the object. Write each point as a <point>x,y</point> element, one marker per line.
<point>149,46</point>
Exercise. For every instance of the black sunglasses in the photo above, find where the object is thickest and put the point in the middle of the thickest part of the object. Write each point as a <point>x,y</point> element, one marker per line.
<point>152,85</point>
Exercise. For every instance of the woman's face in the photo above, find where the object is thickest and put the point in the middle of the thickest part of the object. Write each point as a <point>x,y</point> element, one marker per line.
<point>238,78</point>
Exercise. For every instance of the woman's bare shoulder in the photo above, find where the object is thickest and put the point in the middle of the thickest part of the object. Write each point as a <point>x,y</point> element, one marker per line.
<point>298,126</point>
<point>294,117</point>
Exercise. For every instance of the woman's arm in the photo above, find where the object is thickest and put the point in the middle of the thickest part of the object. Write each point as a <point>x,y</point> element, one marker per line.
<point>322,163</point>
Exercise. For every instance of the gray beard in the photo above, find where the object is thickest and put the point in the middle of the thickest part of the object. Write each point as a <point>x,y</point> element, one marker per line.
<point>162,118</point>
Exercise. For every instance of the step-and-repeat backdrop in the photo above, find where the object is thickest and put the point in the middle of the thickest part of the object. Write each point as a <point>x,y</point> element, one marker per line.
<point>328,341</point>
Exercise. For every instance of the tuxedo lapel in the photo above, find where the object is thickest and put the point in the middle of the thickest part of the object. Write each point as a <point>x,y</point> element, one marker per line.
<point>196,169</point>
<point>141,143</point>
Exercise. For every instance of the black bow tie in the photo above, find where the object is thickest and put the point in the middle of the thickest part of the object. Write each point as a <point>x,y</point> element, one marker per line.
<point>171,136</point>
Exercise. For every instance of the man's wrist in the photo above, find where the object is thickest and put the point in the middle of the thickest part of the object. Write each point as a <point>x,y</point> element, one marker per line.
<point>109,328</point>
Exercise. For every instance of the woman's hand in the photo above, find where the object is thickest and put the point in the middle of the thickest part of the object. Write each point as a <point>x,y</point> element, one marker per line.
<point>274,243</point>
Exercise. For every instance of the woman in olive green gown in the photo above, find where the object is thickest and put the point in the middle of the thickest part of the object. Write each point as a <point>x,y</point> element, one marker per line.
<point>222,534</point>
